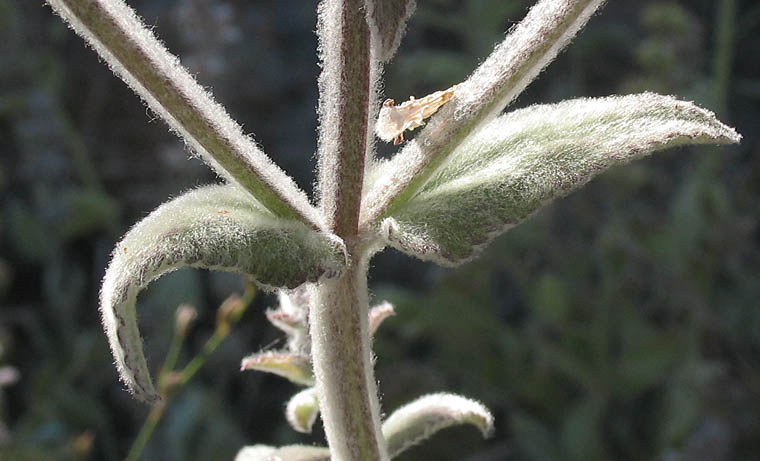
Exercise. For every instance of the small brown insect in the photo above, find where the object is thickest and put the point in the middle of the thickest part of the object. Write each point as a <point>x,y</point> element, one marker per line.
<point>393,120</point>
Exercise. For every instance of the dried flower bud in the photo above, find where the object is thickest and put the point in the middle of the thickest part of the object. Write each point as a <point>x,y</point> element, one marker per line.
<point>379,313</point>
<point>183,318</point>
<point>229,312</point>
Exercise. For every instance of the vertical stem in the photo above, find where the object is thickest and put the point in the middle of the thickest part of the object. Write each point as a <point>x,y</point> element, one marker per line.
<point>341,350</point>
<point>344,107</point>
<point>343,368</point>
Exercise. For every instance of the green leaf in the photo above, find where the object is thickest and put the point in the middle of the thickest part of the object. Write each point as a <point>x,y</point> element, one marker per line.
<point>215,227</point>
<point>419,420</point>
<point>521,161</point>
<point>302,410</point>
<point>291,365</point>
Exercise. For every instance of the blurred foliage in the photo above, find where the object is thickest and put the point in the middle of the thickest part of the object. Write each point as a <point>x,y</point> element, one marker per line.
<point>620,323</point>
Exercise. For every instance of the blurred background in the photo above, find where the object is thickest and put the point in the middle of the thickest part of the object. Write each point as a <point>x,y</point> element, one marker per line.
<point>622,322</point>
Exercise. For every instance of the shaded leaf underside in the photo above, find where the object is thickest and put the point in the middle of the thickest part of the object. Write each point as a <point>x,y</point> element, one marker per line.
<point>420,419</point>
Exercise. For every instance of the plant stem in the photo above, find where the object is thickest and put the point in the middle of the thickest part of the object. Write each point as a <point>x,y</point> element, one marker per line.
<point>167,370</point>
<point>341,353</point>
<point>113,29</point>
<point>344,106</point>
<point>155,415</point>
<point>341,349</point>
<point>516,62</point>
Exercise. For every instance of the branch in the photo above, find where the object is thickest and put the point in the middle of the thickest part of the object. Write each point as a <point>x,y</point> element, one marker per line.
<point>345,87</point>
<point>115,32</point>
<point>532,44</point>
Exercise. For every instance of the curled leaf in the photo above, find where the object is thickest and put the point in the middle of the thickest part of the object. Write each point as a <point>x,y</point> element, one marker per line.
<point>286,453</point>
<point>302,410</point>
<point>293,366</point>
<point>292,318</point>
<point>521,161</point>
<point>215,227</point>
<point>418,420</point>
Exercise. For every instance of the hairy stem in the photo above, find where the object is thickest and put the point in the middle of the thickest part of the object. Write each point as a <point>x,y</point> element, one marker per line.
<point>132,51</point>
<point>344,105</point>
<point>341,350</point>
<point>527,50</point>
<point>343,368</point>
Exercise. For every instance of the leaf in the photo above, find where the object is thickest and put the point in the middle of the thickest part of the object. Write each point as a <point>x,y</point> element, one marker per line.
<point>302,410</point>
<point>522,161</point>
<point>420,419</point>
<point>293,366</point>
<point>286,453</point>
<point>215,227</point>
<point>387,23</point>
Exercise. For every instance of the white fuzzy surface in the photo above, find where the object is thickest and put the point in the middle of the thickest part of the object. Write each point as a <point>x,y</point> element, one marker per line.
<point>529,47</point>
<point>302,410</point>
<point>521,161</point>
<point>215,227</point>
<point>420,419</point>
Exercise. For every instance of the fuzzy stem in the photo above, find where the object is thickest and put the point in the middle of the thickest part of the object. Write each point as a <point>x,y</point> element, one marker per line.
<point>132,51</point>
<point>527,50</point>
<point>341,353</point>
<point>341,349</point>
<point>344,105</point>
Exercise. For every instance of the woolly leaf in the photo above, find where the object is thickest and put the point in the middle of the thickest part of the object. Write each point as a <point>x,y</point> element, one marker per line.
<point>215,227</point>
<point>302,410</point>
<point>523,160</point>
<point>287,453</point>
<point>417,421</point>
<point>387,23</point>
<point>293,366</point>
<point>292,318</point>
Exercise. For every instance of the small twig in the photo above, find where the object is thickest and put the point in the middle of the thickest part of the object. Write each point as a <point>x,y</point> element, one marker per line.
<point>172,382</point>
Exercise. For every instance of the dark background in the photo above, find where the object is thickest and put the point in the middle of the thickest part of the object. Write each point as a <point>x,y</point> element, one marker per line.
<point>622,322</point>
